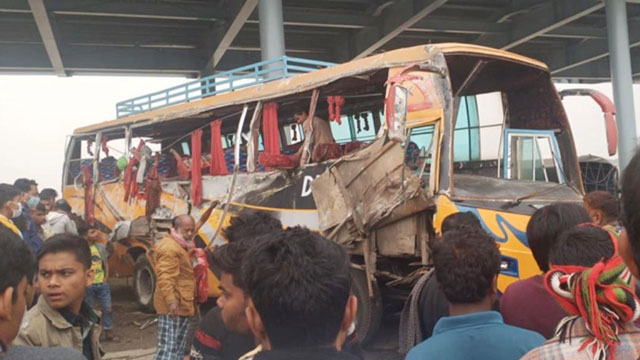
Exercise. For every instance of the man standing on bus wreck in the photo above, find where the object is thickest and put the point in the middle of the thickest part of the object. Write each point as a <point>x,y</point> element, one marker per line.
<point>174,297</point>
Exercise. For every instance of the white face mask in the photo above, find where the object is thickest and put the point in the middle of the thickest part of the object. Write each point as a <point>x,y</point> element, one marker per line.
<point>18,211</point>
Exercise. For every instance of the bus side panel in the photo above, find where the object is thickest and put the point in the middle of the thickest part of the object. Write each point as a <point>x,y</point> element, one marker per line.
<point>509,231</point>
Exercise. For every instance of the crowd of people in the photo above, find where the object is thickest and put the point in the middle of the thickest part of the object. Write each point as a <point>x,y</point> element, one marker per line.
<point>286,293</point>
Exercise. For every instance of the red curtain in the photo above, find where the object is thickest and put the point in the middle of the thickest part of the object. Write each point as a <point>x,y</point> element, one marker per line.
<point>89,201</point>
<point>218,163</point>
<point>196,167</point>
<point>270,133</point>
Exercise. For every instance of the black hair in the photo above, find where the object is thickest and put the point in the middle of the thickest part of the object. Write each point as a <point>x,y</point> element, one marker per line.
<point>62,204</point>
<point>299,283</point>
<point>249,223</point>
<point>243,232</point>
<point>84,227</point>
<point>547,223</point>
<point>40,207</point>
<point>298,109</point>
<point>460,219</point>
<point>631,204</point>
<point>7,193</point>
<point>16,261</point>
<point>603,201</point>
<point>24,184</point>
<point>48,194</point>
<point>582,246</point>
<point>67,243</point>
<point>466,262</point>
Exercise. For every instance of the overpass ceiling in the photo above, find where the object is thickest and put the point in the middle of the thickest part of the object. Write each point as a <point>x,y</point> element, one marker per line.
<point>180,37</point>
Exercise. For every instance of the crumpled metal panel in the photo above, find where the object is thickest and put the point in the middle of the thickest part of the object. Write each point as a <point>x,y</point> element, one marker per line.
<point>371,188</point>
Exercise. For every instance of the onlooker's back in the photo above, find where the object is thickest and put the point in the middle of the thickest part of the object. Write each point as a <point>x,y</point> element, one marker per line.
<point>472,331</point>
<point>526,303</point>
<point>591,282</point>
<point>301,307</point>
<point>58,220</point>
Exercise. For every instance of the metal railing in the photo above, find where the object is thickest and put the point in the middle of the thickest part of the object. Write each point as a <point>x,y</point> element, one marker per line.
<point>223,82</point>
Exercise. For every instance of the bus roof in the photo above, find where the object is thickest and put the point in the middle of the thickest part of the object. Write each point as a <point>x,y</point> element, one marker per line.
<point>309,81</point>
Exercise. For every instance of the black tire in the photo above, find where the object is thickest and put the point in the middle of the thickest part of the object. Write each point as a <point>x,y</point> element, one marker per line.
<point>370,308</point>
<point>144,282</point>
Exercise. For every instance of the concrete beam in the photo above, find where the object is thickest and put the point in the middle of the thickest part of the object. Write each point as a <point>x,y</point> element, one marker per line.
<point>32,58</point>
<point>598,69</point>
<point>168,10</point>
<point>542,19</point>
<point>397,18</point>
<point>46,32</point>
<point>230,33</point>
<point>320,18</point>
<point>583,53</point>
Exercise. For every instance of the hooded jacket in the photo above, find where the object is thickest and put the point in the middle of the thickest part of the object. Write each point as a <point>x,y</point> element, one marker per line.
<point>60,223</point>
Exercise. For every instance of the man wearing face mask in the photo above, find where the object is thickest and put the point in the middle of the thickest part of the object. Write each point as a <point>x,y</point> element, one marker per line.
<point>174,297</point>
<point>29,189</point>
<point>10,207</point>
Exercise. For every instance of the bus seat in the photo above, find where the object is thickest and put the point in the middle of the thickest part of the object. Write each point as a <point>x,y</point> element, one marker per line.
<point>166,166</point>
<point>229,159</point>
<point>353,146</point>
<point>108,168</point>
<point>326,151</point>
<point>75,168</point>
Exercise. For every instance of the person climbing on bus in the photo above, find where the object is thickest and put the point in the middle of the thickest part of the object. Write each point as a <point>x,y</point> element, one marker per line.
<point>323,146</point>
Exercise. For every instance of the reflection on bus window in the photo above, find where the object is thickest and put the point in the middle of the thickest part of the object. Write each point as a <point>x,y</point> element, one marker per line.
<point>420,148</point>
<point>466,144</point>
<point>343,132</point>
<point>363,126</point>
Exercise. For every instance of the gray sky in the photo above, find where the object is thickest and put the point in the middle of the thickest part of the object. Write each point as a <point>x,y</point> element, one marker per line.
<point>37,112</point>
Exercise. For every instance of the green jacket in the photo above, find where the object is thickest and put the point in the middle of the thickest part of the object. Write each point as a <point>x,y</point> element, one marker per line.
<point>48,328</point>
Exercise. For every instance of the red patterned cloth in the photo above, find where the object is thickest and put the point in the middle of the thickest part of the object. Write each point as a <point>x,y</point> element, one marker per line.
<point>326,151</point>
<point>218,163</point>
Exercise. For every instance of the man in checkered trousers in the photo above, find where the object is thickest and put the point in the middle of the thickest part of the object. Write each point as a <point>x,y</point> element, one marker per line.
<point>174,297</point>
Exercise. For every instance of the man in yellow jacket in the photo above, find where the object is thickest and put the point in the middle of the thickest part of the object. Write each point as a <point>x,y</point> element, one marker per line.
<point>174,297</point>
<point>10,207</point>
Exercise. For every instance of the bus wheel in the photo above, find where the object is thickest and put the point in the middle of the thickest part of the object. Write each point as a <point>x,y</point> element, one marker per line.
<point>369,307</point>
<point>144,282</point>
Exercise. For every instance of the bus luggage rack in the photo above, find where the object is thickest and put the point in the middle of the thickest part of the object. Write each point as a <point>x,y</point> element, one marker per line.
<point>242,77</point>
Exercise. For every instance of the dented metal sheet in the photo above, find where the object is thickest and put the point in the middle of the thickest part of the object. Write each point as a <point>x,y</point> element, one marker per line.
<point>368,189</point>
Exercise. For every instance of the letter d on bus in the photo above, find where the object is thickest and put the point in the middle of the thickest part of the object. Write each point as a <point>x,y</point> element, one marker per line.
<point>306,186</point>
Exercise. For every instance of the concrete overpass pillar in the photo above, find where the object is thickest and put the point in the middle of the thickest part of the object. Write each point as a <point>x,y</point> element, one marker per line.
<point>621,77</point>
<point>271,31</point>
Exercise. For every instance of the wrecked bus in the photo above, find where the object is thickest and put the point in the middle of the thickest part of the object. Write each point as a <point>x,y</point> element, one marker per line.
<point>415,142</point>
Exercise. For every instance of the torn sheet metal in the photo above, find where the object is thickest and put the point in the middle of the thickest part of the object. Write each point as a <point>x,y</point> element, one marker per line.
<point>366,191</point>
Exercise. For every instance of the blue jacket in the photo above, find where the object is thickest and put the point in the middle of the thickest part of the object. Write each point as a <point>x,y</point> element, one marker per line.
<point>481,335</point>
<point>31,235</point>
